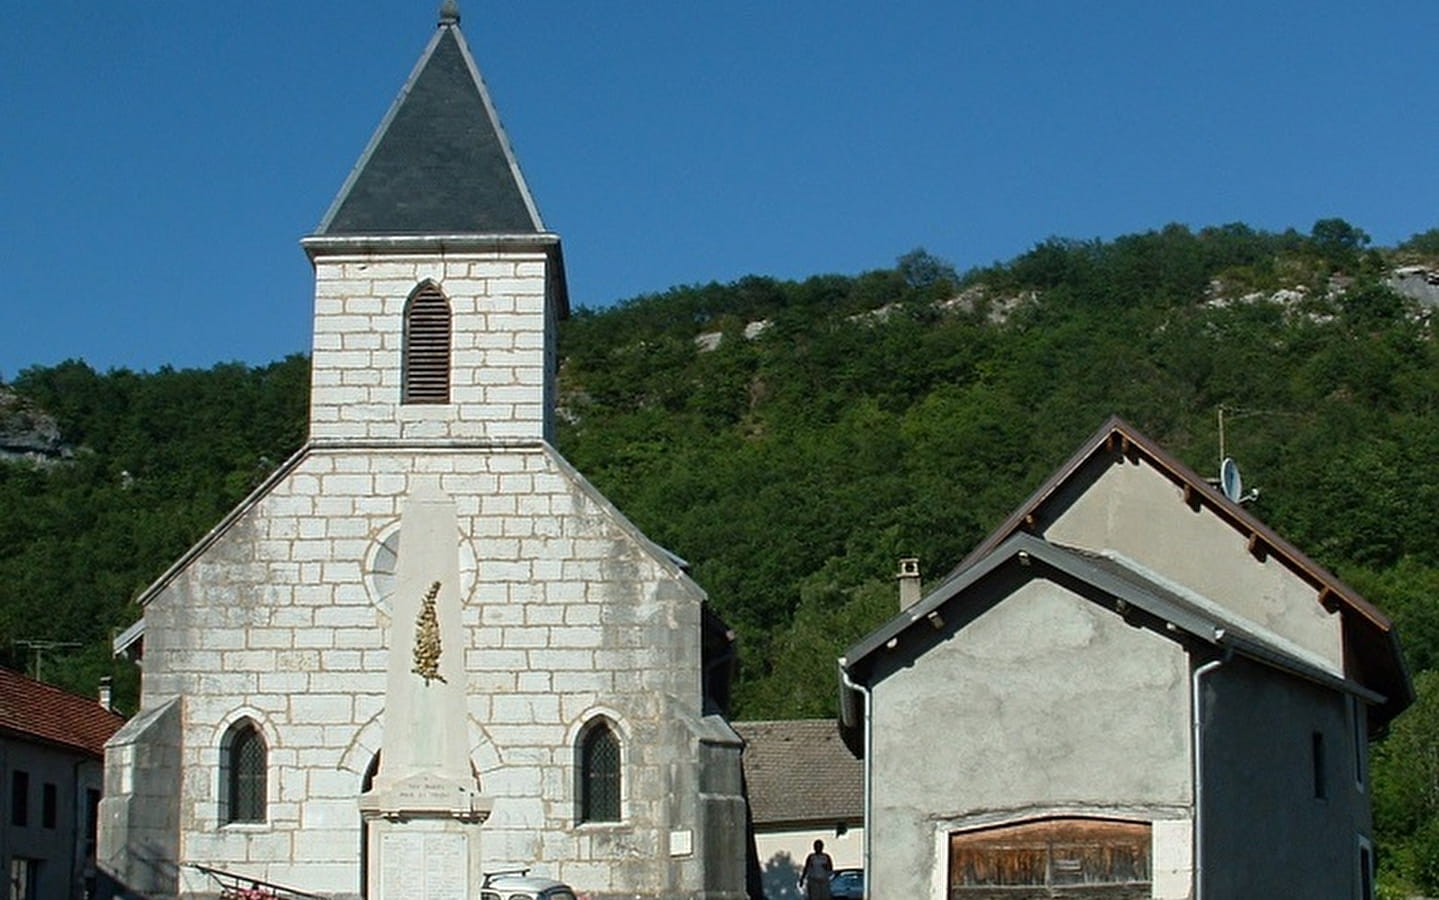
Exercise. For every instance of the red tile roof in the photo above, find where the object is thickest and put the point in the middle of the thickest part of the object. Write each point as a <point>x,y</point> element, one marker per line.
<point>800,772</point>
<point>43,712</point>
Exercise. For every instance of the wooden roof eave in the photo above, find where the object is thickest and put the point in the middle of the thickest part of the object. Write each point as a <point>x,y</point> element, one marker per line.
<point>1357,614</point>
<point>1117,433</point>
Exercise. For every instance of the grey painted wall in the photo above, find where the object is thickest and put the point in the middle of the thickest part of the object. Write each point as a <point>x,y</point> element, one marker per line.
<point>59,849</point>
<point>1037,702</point>
<point>1264,833</point>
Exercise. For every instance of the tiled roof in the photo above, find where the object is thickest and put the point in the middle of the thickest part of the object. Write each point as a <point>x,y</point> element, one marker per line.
<point>800,771</point>
<point>440,162</point>
<point>46,713</point>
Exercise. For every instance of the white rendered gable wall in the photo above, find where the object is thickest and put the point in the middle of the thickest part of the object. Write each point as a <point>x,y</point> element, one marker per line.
<point>502,351</point>
<point>1134,510</point>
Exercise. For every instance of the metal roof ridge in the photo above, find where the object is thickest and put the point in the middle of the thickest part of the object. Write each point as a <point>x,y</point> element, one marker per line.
<point>1206,621</point>
<point>1253,629</point>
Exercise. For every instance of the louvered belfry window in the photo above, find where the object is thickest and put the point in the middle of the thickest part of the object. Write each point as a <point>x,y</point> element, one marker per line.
<point>599,774</point>
<point>426,375</point>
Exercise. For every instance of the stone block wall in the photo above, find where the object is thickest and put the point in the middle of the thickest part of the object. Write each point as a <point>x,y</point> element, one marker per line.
<point>569,613</point>
<point>139,839</point>
<point>502,359</point>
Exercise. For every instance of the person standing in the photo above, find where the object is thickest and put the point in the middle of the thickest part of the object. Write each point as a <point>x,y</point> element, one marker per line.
<point>814,877</point>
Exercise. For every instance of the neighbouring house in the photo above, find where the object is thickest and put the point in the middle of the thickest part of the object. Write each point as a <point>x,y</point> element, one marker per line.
<point>1133,688</point>
<point>804,785</point>
<point>426,649</point>
<point>52,746</point>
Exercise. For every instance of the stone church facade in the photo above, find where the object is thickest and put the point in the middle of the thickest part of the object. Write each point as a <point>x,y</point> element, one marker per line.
<point>587,676</point>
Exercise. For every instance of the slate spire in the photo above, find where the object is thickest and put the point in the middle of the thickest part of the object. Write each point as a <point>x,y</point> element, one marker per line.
<point>440,162</point>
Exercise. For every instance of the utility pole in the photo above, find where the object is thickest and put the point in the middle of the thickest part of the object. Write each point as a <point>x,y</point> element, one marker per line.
<point>38,649</point>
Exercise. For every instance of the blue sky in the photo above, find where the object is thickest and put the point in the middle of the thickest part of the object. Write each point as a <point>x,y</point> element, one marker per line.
<point>161,160</point>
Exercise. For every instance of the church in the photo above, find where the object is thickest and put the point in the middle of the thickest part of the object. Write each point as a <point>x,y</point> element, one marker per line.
<point>426,649</point>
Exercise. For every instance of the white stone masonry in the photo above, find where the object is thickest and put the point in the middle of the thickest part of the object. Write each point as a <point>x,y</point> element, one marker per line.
<point>502,356</point>
<point>567,614</point>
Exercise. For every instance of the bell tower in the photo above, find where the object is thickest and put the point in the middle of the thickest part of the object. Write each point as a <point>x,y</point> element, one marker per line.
<point>437,286</point>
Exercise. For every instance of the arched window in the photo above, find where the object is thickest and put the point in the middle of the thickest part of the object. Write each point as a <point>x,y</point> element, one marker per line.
<point>426,373</point>
<point>599,773</point>
<point>243,760</point>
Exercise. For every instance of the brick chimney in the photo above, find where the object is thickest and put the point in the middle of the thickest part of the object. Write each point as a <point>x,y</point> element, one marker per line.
<point>106,698</point>
<point>909,586</point>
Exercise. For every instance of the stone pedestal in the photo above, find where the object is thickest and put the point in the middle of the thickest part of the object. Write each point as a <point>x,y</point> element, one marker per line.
<point>425,810</point>
<point>424,839</point>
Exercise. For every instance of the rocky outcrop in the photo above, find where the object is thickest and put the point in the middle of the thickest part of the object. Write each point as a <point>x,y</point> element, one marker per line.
<point>1418,283</point>
<point>27,432</point>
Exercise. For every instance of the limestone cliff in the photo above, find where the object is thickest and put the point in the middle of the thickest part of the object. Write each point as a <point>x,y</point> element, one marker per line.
<point>27,432</point>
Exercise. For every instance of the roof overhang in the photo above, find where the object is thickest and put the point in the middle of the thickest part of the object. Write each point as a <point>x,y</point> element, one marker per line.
<point>1369,634</point>
<point>546,242</point>
<point>1127,588</point>
<point>130,643</point>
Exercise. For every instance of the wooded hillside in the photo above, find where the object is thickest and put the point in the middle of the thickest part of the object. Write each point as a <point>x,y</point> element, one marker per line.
<point>793,440</point>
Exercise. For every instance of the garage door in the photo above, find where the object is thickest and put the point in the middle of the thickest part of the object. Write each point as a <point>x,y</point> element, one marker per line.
<point>1051,858</point>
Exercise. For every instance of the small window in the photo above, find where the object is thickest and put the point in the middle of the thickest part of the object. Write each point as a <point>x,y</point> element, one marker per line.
<point>243,764</point>
<point>1357,713</point>
<point>49,801</point>
<point>92,821</point>
<point>599,773</point>
<point>24,878</point>
<point>426,363</point>
<point>1321,785</point>
<point>20,799</point>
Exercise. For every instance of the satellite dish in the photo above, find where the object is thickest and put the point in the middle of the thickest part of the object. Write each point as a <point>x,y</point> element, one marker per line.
<point>1229,481</point>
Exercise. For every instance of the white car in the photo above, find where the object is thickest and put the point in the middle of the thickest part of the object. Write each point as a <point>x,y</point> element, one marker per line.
<point>522,886</point>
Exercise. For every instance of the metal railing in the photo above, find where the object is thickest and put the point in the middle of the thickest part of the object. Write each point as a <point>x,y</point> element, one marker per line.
<point>234,886</point>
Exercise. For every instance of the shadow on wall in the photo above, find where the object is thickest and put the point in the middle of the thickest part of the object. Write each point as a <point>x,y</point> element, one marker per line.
<point>107,888</point>
<point>154,860</point>
<point>781,878</point>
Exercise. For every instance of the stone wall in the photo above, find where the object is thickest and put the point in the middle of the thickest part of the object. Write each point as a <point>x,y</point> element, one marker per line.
<point>568,613</point>
<point>139,840</point>
<point>503,353</point>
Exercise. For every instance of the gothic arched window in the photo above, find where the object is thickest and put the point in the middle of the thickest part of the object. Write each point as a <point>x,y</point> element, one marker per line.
<point>426,362</point>
<point>599,773</point>
<point>243,761</point>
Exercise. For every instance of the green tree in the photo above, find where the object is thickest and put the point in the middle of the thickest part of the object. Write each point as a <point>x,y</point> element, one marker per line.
<point>1339,242</point>
<point>1406,789</point>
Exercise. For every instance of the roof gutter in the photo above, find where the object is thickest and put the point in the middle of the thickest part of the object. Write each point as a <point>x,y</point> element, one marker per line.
<point>546,242</point>
<point>851,685</point>
<point>333,244</point>
<point>1197,729</point>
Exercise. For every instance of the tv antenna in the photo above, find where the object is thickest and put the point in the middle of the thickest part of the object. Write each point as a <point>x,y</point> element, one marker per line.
<point>38,649</point>
<point>1230,482</point>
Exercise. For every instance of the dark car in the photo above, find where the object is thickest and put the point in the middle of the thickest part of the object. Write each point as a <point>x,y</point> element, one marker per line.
<point>847,884</point>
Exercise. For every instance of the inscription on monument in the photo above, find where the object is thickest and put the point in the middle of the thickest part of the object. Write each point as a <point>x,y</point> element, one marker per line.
<point>424,866</point>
